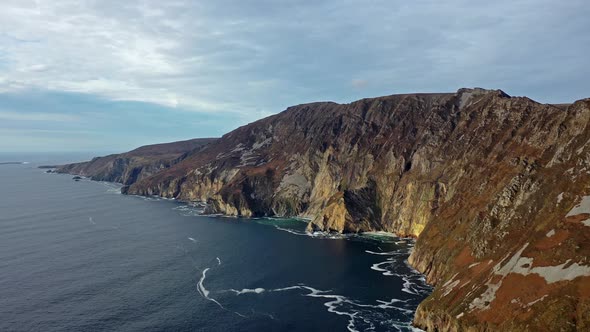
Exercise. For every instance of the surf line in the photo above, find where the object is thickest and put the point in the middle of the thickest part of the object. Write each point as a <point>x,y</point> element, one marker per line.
<point>334,302</point>
<point>205,293</point>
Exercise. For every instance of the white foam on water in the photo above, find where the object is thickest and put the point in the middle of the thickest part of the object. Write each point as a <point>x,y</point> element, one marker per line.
<point>193,240</point>
<point>385,253</point>
<point>317,234</point>
<point>331,236</point>
<point>390,305</point>
<point>413,282</point>
<point>291,231</point>
<point>332,305</point>
<point>112,188</point>
<point>201,288</point>
<point>380,233</point>
<point>205,293</point>
<point>91,220</point>
<point>213,215</point>
<point>385,272</point>
<point>189,210</point>
<point>285,289</point>
<point>408,286</point>
<point>218,261</point>
<point>361,317</point>
<point>247,290</point>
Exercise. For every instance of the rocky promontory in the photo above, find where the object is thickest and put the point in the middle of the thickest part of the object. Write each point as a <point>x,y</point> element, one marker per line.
<point>496,188</point>
<point>129,167</point>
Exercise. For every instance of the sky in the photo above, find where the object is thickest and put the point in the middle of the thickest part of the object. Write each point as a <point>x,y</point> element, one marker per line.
<point>113,75</point>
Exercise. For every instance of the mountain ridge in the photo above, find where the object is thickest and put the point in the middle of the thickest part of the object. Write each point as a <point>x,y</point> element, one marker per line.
<point>129,167</point>
<point>489,184</point>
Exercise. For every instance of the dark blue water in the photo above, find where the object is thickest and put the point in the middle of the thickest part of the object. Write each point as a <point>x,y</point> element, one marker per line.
<point>78,256</point>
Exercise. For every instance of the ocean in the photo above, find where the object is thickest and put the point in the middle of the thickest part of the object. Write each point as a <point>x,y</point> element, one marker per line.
<point>79,256</point>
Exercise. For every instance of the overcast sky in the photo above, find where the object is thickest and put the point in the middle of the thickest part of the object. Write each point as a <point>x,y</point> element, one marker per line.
<point>112,75</point>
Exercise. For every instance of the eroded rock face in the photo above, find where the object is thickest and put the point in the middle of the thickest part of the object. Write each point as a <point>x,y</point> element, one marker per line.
<point>494,186</point>
<point>347,167</point>
<point>129,167</point>
<point>511,251</point>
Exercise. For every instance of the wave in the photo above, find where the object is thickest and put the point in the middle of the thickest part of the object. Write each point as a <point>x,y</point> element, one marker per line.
<point>390,314</point>
<point>317,234</point>
<point>189,210</point>
<point>386,253</point>
<point>112,187</point>
<point>294,232</point>
<point>382,237</point>
<point>361,316</point>
<point>413,282</point>
<point>205,292</point>
<point>377,267</point>
<point>393,314</point>
<point>247,290</point>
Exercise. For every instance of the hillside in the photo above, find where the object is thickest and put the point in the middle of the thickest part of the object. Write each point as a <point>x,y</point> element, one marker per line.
<point>129,167</point>
<point>495,188</point>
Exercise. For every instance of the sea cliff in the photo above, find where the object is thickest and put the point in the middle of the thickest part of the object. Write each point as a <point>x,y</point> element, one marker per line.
<point>132,166</point>
<point>495,188</point>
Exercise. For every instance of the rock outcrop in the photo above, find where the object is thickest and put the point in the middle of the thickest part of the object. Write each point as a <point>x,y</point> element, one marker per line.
<point>129,167</point>
<point>495,188</point>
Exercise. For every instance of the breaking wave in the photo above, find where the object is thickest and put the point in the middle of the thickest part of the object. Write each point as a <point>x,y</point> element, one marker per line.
<point>205,292</point>
<point>386,314</point>
<point>361,316</point>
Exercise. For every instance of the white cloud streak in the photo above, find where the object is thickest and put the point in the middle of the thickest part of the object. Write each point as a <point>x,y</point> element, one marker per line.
<point>256,58</point>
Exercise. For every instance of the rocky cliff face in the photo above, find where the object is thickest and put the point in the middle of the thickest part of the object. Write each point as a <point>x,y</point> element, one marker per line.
<point>348,167</point>
<point>495,188</point>
<point>509,248</point>
<point>129,167</point>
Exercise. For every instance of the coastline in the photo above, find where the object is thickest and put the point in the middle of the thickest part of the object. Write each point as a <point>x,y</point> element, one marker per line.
<point>380,236</point>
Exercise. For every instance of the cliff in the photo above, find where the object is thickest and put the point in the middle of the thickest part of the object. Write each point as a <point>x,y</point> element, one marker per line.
<point>129,167</point>
<point>496,188</point>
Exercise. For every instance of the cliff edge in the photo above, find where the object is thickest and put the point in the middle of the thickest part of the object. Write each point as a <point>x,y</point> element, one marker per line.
<point>129,167</point>
<point>496,188</point>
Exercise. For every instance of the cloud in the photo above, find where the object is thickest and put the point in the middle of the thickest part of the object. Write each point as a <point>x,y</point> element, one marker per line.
<point>52,121</point>
<point>37,116</point>
<point>202,55</point>
<point>242,60</point>
<point>36,68</point>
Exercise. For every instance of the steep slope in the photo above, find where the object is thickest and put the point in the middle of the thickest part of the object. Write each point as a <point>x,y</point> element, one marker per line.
<point>487,181</point>
<point>511,251</point>
<point>316,160</point>
<point>137,164</point>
